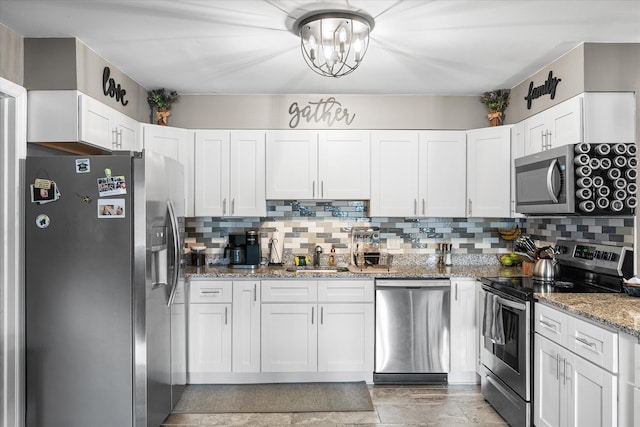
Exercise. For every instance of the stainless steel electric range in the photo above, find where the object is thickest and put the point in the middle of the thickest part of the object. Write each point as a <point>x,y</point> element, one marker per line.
<point>507,357</point>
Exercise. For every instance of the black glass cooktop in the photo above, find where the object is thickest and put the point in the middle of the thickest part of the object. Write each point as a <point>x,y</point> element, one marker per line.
<point>523,287</point>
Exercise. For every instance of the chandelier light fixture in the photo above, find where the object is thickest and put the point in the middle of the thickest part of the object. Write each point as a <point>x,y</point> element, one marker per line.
<point>333,43</point>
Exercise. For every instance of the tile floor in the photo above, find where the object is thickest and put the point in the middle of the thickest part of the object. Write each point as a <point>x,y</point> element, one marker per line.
<point>451,406</point>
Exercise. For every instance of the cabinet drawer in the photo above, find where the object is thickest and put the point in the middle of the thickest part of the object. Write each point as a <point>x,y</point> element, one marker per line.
<point>289,291</point>
<point>345,290</point>
<point>209,291</point>
<point>636,366</point>
<point>594,343</point>
<point>551,323</point>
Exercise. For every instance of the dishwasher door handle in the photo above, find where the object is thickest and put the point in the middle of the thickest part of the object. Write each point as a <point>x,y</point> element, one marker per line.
<point>428,288</point>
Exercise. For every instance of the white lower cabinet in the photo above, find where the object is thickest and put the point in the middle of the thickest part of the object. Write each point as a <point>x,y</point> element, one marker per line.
<point>629,381</point>
<point>317,326</point>
<point>570,390</point>
<point>209,336</point>
<point>246,326</point>
<point>464,332</point>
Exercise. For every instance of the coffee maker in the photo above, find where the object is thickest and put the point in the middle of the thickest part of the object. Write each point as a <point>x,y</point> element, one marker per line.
<point>243,250</point>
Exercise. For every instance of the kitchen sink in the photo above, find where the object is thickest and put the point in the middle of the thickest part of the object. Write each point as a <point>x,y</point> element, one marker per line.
<point>313,270</point>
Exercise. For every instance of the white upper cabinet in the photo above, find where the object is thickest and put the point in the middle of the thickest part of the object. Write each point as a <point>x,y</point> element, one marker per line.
<point>602,117</point>
<point>489,172</point>
<point>176,144</point>
<point>443,173</point>
<point>229,173</point>
<point>418,173</point>
<point>317,165</point>
<point>292,164</point>
<point>344,164</point>
<point>71,116</point>
<point>395,168</point>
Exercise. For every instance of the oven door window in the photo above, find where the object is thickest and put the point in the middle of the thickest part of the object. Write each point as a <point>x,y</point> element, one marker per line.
<point>510,351</point>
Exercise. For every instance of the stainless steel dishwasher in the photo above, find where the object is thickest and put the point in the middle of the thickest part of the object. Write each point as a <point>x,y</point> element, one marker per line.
<point>412,331</point>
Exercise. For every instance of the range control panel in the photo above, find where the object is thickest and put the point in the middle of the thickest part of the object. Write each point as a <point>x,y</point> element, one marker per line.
<point>607,259</point>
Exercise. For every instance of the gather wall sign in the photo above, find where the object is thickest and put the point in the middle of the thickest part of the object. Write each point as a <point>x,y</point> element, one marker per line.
<point>111,88</point>
<point>548,88</point>
<point>328,111</point>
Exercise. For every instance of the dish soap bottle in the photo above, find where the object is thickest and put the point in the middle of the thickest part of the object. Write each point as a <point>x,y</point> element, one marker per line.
<point>332,260</point>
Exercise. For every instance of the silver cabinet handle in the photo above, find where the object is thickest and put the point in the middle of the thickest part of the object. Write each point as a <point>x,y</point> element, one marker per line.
<point>558,366</point>
<point>564,371</point>
<point>470,205</point>
<point>549,145</point>
<point>424,207</point>
<point>322,315</point>
<point>233,206</point>
<point>585,342</point>
<point>321,189</point>
<point>542,144</point>
<point>224,206</point>
<point>312,313</point>
<point>211,292</point>
<point>415,206</point>
<point>548,324</point>
<point>313,191</point>
<point>255,292</point>
<point>114,137</point>
<point>455,294</point>
<point>226,309</point>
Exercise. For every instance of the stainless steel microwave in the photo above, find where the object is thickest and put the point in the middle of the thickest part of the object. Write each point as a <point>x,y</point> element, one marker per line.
<point>578,179</point>
<point>545,182</point>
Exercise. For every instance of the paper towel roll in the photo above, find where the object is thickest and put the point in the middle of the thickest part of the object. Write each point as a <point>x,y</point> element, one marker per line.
<point>277,247</point>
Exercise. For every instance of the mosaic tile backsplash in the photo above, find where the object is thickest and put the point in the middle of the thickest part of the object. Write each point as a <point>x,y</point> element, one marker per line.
<point>474,240</point>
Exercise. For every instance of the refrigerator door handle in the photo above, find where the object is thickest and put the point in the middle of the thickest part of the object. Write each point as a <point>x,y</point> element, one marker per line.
<point>175,235</point>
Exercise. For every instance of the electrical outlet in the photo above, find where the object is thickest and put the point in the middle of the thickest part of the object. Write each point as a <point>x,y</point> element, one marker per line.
<point>394,243</point>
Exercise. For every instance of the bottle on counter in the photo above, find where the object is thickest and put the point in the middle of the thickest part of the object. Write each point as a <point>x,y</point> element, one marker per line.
<point>332,258</point>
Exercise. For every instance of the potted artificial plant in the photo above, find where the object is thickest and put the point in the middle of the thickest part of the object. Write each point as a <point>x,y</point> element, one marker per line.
<point>161,100</point>
<point>496,102</point>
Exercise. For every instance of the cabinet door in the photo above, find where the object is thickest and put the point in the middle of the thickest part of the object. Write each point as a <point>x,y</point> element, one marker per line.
<point>126,133</point>
<point>209,338</point>
<point>345,338</point>
<point>292,165</point>
<point>564,123</point>
<point>609,118</point>
<point>547,394</point>
<point>289,338</point>
<point>535,131</point>
<point>344,165</point>
<point>246,326</point>
<point>211,164</point>
<point>96,123</point>
<point>394,173</point>
<point>592,394</point>
<point>464,333</point>
<point>175,144</point>
<point>443,191</point>
<point>489,172</point>
<point>247,174</point>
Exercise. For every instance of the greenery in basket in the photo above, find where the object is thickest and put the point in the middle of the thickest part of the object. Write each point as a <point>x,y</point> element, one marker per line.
<point>160,98</point>
<point>496,100</point>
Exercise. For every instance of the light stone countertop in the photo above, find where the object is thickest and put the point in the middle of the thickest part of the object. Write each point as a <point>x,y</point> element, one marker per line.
<point>617,311</point>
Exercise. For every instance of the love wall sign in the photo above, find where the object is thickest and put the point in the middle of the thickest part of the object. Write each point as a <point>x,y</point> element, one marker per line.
<point>111,88</point>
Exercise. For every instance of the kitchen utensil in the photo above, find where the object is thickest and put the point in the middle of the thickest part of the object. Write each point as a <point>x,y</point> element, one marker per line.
<point>545,268</point>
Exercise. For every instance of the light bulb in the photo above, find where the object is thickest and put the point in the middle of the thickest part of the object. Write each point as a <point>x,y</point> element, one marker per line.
<point>342,35</point>
<point>357,47</point>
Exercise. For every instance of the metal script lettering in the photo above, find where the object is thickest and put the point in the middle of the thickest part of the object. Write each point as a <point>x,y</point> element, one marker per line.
<point>328,111</point>
<point>110,88</point>
<point>548,88</point>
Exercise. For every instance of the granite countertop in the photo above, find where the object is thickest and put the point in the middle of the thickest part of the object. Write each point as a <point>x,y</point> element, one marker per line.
<point>618,311</point>
<point>400,272</point>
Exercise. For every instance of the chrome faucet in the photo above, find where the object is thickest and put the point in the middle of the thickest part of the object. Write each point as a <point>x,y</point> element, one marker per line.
<point>316,256</point>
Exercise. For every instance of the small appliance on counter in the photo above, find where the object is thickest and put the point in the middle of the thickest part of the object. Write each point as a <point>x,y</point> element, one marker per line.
<point>243,250</point>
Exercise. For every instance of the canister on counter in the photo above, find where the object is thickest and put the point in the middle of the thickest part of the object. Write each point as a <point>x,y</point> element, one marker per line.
<point>198,256</point>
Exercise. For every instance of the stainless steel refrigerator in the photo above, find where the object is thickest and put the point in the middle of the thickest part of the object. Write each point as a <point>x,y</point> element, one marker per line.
<point>104,314</point>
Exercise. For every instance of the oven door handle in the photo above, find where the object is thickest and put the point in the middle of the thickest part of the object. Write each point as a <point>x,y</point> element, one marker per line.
<point>550,189</point>
<point>515,305</point>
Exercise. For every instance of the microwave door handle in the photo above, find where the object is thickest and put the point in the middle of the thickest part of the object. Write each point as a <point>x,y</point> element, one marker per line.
<point>550,189</point>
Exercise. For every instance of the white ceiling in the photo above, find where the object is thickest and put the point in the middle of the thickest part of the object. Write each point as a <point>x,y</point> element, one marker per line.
<point>444,47</point>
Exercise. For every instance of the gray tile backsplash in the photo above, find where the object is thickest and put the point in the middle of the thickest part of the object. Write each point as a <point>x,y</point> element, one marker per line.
<point>306,224</point>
